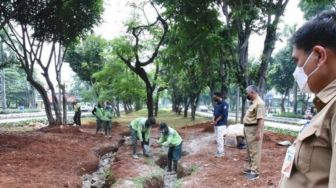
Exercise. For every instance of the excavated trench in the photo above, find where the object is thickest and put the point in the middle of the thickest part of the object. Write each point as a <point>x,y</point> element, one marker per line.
<point>102,177</point>
<point>169,178</point>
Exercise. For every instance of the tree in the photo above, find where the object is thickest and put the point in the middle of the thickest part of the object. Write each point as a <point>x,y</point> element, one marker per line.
<point>87,57</point>
<point>137,52</point>
<point>274,11</point>
<point>280,75</point>
<point>311,8</point>
<point>116,83</point>
<point>37,24</point>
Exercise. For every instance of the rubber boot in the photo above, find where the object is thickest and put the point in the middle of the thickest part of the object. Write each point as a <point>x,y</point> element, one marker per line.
<point>169,165</point>
<point>175,166</point>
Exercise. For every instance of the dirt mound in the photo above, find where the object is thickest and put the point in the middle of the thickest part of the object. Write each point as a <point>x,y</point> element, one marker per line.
<point>89,125</point>
<point>61,129</point>
<point>206,127</point>
<point>273,137</point>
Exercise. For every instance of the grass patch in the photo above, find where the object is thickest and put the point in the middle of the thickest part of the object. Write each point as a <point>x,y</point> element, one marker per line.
<point>194,168</point>
<point>21,126</point>
<point>282,131</point>
<point>289,115</point>
<point>16,111</point>
<point>164,115</point>
<point>150,161</point>
<point>177,183</point>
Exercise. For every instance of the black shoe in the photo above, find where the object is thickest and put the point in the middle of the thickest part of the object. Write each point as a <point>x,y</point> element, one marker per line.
<point>246,171</point>
<point>252,176</point>
<point>242,146</point>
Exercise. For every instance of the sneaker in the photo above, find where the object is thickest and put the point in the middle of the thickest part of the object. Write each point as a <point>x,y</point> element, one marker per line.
<point>135,156</point>
<point>246,171</point>
<point>252,176</point>
<point>218,155</point>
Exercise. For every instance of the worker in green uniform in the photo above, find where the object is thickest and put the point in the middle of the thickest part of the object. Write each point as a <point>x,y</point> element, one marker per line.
<point>171,138</point>
<point>140,129</point>
<point>107,120</point>
<point>98,113</point>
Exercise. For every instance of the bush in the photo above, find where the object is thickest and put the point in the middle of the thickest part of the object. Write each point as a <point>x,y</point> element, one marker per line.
<point>288,115</point>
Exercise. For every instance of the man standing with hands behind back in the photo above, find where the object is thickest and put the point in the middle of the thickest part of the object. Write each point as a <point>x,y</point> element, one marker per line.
<point>253,130</point>
<point>311,160</point>
<point>220,122</point>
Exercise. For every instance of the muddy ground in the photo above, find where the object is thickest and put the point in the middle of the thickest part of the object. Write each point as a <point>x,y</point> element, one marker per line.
<point>58,157</point>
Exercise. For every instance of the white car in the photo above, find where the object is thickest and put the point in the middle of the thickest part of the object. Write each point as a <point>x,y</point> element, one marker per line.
<point>203,108</point>
<point>87,107</point>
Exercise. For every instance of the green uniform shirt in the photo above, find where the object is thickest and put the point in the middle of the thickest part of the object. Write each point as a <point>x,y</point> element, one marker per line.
<point>99,113</point>
<point>139,125</point>
<point>172,139</point>
<point>76,108</point>
<point>107,115</point>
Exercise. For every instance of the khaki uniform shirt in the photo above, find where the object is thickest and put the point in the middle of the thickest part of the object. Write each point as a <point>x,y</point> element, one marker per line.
<point>255,111</point>
<point>315,156</point>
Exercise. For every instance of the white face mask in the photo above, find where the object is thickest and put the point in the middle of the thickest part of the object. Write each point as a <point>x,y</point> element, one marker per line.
<point>301,77</point>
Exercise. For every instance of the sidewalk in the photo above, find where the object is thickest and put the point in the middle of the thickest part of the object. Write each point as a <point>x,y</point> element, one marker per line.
<point>268,123</point>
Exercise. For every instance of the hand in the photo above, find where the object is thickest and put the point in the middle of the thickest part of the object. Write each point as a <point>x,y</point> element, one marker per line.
<point>257,138</point>
<point>213,123</point>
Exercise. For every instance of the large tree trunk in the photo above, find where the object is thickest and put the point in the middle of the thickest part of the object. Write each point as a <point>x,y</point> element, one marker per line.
<point>283,110</point>
<point>269,42</point>
<point>243,58</point>
<point>194,102</point>
<point>150,109</point>
<point>295,99</point>
<point>243,109</point>
<point>64,106</point>
<point>156,104</point>
<point>186,107</point>
<point>44,95</point>
<point>55,101</point>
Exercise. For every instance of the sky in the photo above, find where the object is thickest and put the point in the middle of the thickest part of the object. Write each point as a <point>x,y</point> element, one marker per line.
<point>118,11</point>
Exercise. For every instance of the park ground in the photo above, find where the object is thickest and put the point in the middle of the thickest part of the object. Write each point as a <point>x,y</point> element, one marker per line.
<point>60,156</point>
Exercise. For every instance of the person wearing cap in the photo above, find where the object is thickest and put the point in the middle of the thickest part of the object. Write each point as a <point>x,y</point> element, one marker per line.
<point>171,138</point>
<point>77,116</point>
<point>140,129</point>
<point>311,160</point>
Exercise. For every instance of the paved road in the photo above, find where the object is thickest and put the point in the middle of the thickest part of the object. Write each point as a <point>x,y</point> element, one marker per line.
<point>275,123</point>
<point>9,118</point>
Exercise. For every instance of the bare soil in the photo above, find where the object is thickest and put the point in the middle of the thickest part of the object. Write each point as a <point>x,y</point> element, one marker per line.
<point>59,156</point>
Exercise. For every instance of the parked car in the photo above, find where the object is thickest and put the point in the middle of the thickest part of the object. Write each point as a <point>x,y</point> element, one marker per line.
<point>86,107</point>
<point>203,108</point>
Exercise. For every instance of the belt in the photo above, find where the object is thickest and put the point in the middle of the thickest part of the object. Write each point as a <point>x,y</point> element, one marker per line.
<point>252,124</point>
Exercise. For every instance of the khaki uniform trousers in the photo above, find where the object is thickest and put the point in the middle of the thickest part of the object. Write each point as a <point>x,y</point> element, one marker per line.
<point>253,147</point>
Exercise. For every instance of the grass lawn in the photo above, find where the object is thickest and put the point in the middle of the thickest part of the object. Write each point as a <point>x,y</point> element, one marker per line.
<point>164,115</point>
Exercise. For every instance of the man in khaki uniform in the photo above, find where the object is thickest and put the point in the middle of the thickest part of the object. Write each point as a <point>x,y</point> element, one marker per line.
<point>311,160</point>
<point>253,130</point>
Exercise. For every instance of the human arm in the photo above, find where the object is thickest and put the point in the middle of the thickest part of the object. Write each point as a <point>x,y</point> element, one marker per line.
<point>168,140</point>
<point>332,175</point>
<point>147,134</point>
<point>260,120</point>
